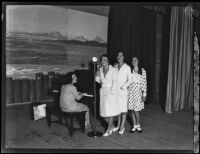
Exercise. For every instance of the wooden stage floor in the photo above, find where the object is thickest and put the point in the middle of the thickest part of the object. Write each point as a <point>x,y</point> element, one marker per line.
<point>161,131</point>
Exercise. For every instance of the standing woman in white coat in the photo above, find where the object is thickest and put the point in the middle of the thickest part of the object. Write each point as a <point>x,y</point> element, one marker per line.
<point>123,75</point>
<point>108,108</point>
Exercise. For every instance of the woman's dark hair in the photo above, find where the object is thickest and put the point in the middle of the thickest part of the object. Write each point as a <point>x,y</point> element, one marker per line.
<point>139,66</point>
<point>123,55</point>
<point>67,79</point>
<point>105,55</point>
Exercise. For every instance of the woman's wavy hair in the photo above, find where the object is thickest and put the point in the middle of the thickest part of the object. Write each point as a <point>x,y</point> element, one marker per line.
<point>139,66</point>
<point>67,79</point>
<point>105,55</point>
<point>125,59</point>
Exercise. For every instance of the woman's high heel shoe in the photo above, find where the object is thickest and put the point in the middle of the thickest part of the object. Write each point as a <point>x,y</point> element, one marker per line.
<point>122,131</point>
<point>133,130</point>
<point>139,130</point>
<point>115,129</point>
<point>107,133</point>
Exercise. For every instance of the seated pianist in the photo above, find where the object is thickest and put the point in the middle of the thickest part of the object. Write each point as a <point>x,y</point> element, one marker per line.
<point>69,97</point>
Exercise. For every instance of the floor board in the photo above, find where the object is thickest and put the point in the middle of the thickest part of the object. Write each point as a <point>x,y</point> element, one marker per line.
<point>161,131</point>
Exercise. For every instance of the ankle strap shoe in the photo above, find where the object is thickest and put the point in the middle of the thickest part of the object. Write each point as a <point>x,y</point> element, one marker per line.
<point>122,131</point>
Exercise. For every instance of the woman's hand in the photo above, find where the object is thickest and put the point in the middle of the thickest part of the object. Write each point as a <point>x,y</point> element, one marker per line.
<point>98,70</point>
<point>115,65</point>
<point>98,73</point>
<point>143,98</point>
<point>98,67</point>
<point>83,94</point>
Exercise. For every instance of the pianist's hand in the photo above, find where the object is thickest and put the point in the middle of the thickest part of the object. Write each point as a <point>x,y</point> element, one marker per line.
<point>83,94</point>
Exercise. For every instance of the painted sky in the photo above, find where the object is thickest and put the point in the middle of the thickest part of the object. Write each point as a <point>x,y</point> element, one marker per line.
<point>47,18</point>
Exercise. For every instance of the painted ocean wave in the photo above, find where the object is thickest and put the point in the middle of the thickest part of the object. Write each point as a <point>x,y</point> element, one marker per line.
<point>26,57</point>
<point>10,70</point>
<point>29,71</point>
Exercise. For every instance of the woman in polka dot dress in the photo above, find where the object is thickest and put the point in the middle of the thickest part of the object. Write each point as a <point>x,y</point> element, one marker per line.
<point>137,92</point>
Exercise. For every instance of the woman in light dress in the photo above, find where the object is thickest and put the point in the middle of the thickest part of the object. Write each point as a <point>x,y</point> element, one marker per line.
<point>108,108</point>
<point>123,75</point>
<point>69,95</point>
<point>137,93</point>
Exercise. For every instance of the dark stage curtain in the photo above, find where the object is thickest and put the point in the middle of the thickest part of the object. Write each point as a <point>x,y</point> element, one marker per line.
<point>164,56</point>
<point>132,29</point>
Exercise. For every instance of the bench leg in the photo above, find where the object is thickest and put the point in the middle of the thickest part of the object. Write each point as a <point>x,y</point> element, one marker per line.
<point>48,118</point>
<point>82,122</point>
<point>60,119</point>
<point>71,127</point>
<point>66,122</point>
<point>68,125</point>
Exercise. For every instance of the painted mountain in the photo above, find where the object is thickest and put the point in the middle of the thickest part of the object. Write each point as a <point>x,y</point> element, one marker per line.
<point>99,39</point>
<point>56,36</point>
<point>80,38</point>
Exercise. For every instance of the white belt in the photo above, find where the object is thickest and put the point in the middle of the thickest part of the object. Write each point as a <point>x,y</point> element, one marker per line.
<point>106,86</point>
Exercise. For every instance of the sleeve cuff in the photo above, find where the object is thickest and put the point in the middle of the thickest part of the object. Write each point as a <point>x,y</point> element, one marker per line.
<point>144,94</point>
<point>97,79</point>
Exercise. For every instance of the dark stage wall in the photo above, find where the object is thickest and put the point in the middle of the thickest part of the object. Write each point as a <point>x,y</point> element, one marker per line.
<point>132,29</point>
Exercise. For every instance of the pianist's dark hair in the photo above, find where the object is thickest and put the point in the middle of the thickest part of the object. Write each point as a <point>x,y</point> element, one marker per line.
<point>67,79</point>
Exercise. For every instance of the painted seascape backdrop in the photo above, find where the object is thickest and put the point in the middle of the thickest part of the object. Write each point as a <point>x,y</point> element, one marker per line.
<point>42,38</point>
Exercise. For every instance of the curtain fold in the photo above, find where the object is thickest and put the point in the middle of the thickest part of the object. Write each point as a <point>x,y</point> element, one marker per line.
<point>164,60</point>
<point>180,77</point>
<point>132,29</point>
